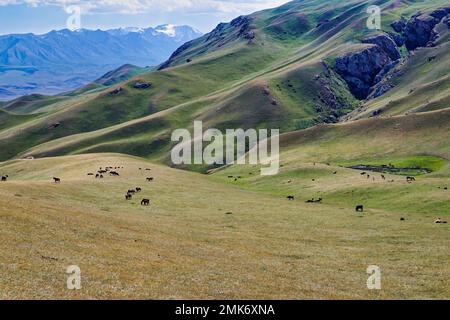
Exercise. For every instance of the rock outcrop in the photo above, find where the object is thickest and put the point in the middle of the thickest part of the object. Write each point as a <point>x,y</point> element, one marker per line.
<point>386,43</point>
<point>420,31</point>
<point>142,85</point>
<point>368,71</point>
<point>360,69</point>
<point>399,26</point>
<point>398,39</point>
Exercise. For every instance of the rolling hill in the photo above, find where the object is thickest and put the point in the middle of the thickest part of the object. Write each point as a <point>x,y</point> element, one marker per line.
<point>275,67</point>
<point>359,111</point>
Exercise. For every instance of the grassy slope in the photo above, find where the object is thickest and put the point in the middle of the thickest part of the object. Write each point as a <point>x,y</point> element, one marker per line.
<point>185,245</point>
<point>171,88</point>
<point>9,120</point>
<point>31,103</point>
<point>288,47</point>
<point>405,141</point>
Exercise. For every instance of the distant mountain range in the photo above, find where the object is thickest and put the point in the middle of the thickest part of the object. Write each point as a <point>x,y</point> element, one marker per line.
<point>63,60</point>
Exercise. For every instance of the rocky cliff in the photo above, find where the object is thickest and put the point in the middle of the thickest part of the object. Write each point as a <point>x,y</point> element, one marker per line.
<point>361,70</point>
<point>366,71</point>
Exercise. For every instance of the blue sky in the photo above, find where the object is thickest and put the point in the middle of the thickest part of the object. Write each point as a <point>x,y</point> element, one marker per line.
<point>40,16</point>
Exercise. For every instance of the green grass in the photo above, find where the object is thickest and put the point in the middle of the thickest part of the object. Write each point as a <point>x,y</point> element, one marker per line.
<point>224,85</point>
<point>8,120</point>
<point>209,236</point>
<point>206,238</point>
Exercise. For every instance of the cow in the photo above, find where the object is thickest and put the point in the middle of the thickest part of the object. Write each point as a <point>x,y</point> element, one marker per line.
<point>114,173</point>
<point>5,178</point>
<point>57,180</point>
<point>360,208</point>
<point>150,179</point>
<point>290,198</point>
<point>439,220</point>
<point>128,196</point>
<point>138,189</point>
<point>90,174</point>
<point>131,191</point>
<point>383,177</point>
<point>145,202</point>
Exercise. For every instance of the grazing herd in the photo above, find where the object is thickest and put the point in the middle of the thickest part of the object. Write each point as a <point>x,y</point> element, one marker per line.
<point>360,208</point>
<point>113,171</point>
<point>100,175</point>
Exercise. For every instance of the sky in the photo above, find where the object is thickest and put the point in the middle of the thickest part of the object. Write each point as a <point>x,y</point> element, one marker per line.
<point>41,16</point>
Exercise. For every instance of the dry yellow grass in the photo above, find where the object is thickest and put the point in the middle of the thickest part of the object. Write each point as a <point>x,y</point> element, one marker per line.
<point>186,245</point>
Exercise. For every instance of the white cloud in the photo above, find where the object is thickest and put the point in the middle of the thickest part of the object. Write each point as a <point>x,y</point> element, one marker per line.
<point>143,6</point>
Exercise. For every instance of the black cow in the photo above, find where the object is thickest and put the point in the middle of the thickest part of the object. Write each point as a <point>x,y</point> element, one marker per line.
<point>128,196</point>
<point>145,202</point>
<point>360,208</point>
<point>291,198</point>
<point>57,180</point>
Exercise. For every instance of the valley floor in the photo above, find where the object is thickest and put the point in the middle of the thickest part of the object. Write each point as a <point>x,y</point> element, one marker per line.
<point>205,237</point>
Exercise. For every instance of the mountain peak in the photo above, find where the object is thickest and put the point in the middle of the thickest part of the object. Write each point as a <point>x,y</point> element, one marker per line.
<point>168,29</point>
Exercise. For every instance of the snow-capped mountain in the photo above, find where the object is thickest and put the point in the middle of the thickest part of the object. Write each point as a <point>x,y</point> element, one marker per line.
<point>62,60</point>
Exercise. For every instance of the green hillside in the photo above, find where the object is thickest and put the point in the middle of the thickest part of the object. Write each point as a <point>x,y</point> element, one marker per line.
<point>272,68</point>
<point>350,137</point>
